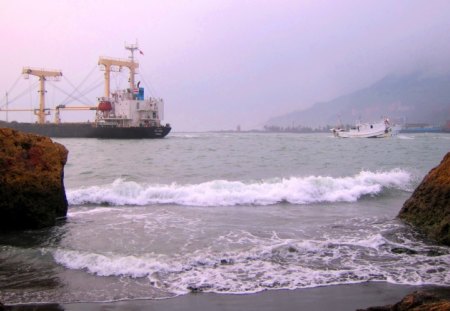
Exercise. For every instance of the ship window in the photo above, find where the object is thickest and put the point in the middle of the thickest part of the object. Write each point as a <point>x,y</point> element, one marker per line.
<point>154,115</point>
<point>137,105</point>
<point>371,126</point>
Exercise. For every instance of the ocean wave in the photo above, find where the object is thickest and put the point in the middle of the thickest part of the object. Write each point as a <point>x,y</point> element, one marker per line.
<point>294,190</point>
<point>271,263</point>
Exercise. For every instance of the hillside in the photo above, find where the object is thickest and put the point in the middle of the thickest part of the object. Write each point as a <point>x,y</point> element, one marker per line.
<point>411,98</point>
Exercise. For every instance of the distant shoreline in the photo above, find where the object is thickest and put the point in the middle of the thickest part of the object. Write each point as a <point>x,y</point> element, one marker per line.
<point>403,131</point>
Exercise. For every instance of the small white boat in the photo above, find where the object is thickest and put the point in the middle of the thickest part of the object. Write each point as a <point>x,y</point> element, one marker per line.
<point>368,130</point>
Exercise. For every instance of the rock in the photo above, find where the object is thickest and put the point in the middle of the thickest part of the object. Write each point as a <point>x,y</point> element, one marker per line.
<point>31,181</point>
<point>428,209</point>
<point>419,301</point>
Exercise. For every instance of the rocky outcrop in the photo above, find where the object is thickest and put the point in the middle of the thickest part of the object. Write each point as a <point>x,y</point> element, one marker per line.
<point>428,209</point>
<point>419,301</point>
<point>32,193</point>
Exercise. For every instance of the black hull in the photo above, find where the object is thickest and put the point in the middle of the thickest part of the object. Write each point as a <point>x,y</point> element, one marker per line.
<point>88,130</point>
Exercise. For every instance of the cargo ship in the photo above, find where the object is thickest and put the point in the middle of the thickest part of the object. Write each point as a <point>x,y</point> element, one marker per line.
<point>122,114</point>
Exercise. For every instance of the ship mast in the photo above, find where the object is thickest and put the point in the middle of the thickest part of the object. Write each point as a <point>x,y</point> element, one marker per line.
<point>116,64</point>
<point>132,48</point>
<point>43,74</point>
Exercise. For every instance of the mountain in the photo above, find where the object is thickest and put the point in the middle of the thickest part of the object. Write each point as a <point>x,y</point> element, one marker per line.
<point>413,98</point>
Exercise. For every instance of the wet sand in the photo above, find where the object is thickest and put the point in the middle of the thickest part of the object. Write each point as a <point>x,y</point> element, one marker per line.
<point>340,297</point>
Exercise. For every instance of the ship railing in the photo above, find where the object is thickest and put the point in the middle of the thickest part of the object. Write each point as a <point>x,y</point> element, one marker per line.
<point>117,118</point>
<point>107,99</point>
<point>144,109</point>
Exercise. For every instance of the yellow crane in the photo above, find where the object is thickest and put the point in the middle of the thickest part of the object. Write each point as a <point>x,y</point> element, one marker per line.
<point>109,64</point>
<point>116,64</point>
<point>70,108</point>
<point>43,75</point>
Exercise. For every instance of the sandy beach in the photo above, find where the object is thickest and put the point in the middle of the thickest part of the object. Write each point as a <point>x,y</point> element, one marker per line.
<point>339,297</point>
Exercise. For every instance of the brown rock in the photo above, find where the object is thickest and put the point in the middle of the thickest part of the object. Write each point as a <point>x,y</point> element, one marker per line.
<point>428,209</point>
<point>437,300</point>
<point>32,193</point>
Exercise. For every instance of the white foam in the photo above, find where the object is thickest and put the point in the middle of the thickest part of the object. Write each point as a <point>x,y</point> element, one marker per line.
<point>407,137</point>
<point>109,264</point>
<point>295,190</point>
<point>81,213</point>
<point>270,262</point>
<point>185,135</point>
<point>373,241</point>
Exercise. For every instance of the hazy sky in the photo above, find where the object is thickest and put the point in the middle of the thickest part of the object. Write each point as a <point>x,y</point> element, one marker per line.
<point>219,64</point>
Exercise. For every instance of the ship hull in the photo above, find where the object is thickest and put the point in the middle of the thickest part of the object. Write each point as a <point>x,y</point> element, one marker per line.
<point>88,130</point>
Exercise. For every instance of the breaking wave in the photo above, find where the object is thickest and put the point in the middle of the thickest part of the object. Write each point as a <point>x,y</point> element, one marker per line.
<point>271,263</point>
<point>294,190</point>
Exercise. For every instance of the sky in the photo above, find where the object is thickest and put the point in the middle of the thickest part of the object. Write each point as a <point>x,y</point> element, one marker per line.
<point>219,64</point>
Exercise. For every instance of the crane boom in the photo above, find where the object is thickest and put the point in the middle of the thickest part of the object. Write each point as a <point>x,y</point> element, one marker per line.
<point>41,72</point>
<point>117,62</point>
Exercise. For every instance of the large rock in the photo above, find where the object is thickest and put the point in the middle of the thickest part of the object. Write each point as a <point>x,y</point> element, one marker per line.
<point>428,209</point>
<point>32,193</point>
<point>436,300</point>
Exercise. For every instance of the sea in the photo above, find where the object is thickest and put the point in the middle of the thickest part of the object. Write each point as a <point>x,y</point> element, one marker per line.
<point>228,213</point>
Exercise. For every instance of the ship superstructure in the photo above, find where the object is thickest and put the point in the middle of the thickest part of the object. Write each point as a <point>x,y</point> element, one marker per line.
<point>127,108</point>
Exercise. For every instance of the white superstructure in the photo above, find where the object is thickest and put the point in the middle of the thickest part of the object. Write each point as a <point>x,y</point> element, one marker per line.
<point>129,107</point>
